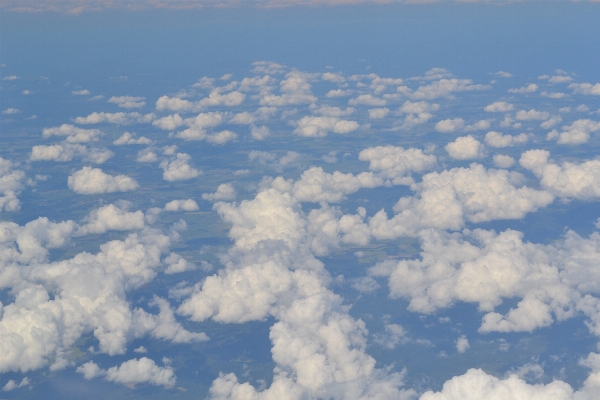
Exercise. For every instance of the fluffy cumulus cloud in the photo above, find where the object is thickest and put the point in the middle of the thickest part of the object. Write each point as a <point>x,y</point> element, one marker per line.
<point>112,217</point>
<point>127,138</point>
<point>90,180</point>
<point>119,118</point>
<point>465,148</point>
<point>185,205</point>
<point>178,168</point>
<point>132,372</point>
<point>567,180</point>
<point>57,302</point>
<point>417,113</point>
<point>225,191</point>
<point>499,106</point>
<point>310,126</point>
<point>127,101</point>
<point>576,133</point>
<point>445,88</point>
<point>449,125</point>
<point>585,88</point>
<point>12,181</point>
<point>67,152</point>
<point>445,200</point>
<point>395,163</point>
<point>72,133</point>
<point>497,139</point>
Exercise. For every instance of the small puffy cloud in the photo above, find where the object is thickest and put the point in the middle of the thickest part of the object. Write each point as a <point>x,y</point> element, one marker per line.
<point>503,74</point>
<point>169,123</point>
<point>331,77</point>
<point>12,385</point>
<point>449,125</point>
<point>476,385</point>
<point>146,155</point>
<point>128,138</point>
<point>73,134</point>
<point>576,133</point>
<point>66,152</point>
<point>365,284</point>
<point>128,101</point>
<point>119,118</point>
<point>112,217</point>
<point>551,122</point>
<point>310,126</point>
<point>338,93</point>
<point>525,89</point>
<point>498,140</point>
<point>503,161</point>
<point>185,205</point>
<point>499,106</point>
<point>259,132</point>
<point>462,344</point>
<point>90,370</point>
<point>268,67</point>
<point>90,180</point>
<point>178,169</point>
<point>395,163</point>
<point>585,88</point>
<point>12,181</point>
<point>330,111</point>
<point>478,126</point>
<point>83,92</point>
<point>225,191</point>
<point>141,370</point>
<point>465,148</point>
<point>532,114</point>
<point>10,78</point>
<point>392,336</point>
<point>367,100</point>
<point>10,111</point>
<point>568,180</point>
<point>166,103</point>
<point>553,95</point>
<point>221,137</point>
<point>378,113</point>
<point>418,107</point>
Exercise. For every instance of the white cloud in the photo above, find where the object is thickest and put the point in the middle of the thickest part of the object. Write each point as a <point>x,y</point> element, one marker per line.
<point>128,101</point>
<point>331,77</point>
<point>395,163</point>
<point>503,74</point>
<point>310,126</point>
<point>378,113</point>
<point>83,92</point>
<point>449,125</point>
<point>10,111</point>
<point>166,103</point>
<point>576,133</point>
<point>478,126</point>
<point>392,336</point>
<point>532,114</point>
<point>90,180</point>
<point>169,123</point>
<point>476,384</point>
<point>465,148</point>
<point>446,199</point>
<point>12,181</point>
<point>146,155</point>
<point>330,111</point>
<point>568,180</point>
<point>221,137</point>
<point>531,88</point>
<point>445,88</point>
<point>127,138</point>
<point>338,93</point>
<point>178,169</point>
<point>498,140</point>
<point>141,370</point>
<point>503,161</point>
<point>119,118</point>
<point>225,191</point>
<point>12,385</point>
<point>111,217</point>
<point>259,133</point>
<point>185,205</point>
<point>418,113</point>
<point>73,134</point>
<point>67,152</point>
<point>585,88</point>
<point>367,100</point>
<point>10,78</point>
<point>499,106</point>
<point>462,344</point>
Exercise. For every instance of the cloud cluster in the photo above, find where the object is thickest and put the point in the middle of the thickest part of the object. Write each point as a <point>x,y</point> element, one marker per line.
<point>11,184</point>
<point>67,152</point>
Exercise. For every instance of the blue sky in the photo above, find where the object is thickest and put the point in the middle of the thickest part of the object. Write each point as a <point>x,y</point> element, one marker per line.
<point>326,201</point>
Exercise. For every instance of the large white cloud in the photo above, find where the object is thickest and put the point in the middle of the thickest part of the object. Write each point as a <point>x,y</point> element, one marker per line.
<point>90,180</point>
<point>568,180</point>
<point>576,133</point>
<point>498,140</point>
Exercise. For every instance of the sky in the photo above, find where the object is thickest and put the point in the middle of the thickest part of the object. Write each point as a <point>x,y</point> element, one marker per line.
<point>299,200</point>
